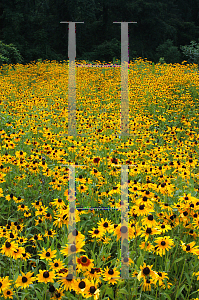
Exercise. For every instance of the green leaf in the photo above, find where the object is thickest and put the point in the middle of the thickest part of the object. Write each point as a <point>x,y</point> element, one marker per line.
<point>123,291</point>
<point>16,275</point>
<point>179,259</point>
<point>167,265</point>
<point>193,293</point>
<point>24,296</point>
<point>140,261</point>
<point>109,292</point>
<point>39,295</point>
<point>188,279</point>
<point>180,290</point>
<point>175,268</point>
<point>166,295</point>
<point>149,297</point>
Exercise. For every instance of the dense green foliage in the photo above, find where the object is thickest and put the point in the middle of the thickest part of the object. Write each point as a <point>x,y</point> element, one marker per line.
<point>162,29</point>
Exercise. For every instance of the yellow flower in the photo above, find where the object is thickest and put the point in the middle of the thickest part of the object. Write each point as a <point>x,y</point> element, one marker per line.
<point>48,255</point>
<point>25,280</point>
<point>164,243</point>
<point>8,248</point>
<point>45,276</point>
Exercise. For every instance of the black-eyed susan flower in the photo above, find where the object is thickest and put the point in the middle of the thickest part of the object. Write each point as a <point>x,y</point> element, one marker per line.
<point>59,294</point>
<point>20,154</point>
<point>147,283</point>
<point>67,282</point>
<point>5,283</point>
<point>97,233</point>
<point>37,204</point>
<point>50,233</point>
<point>11,197</point>
<point>94,273</point>
<point>58,202</point>
<point>8,248</point>
<point>22,207</point>
<point>36,237</point>
<point>80,285</point>
<point>142,210</point>
<point>111,275</point>
<point>189,248</point>
<point>149,231</point>
<point>92,290</point>
<point>84,263</point>
<point>163,227</point>
<point>105,225</point>
<point>18,253</point>
<point>147,246</point>
<point>45,276</point>
<point>164,243</point>
<point>162,276</point>
<point>48,254</point>
<point>41,211</point>
<point>56,265</point>
<point>146,271</point>
<point>149,221</point>
<point>8,294</point>
<point>96,160</point>
<point>25,280</point>
<point>25,256</point>
<point>82,188</point>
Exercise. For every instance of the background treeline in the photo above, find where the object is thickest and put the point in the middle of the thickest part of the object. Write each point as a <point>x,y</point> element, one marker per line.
<point>31,30</point>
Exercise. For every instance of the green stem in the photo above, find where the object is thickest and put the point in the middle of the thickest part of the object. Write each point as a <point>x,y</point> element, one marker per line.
<point>45,290</point>
<point>16,293</point>
<point>192,278</point>
<point>181,277</point>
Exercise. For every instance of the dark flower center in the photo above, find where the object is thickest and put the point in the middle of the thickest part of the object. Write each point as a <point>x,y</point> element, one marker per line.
<point>163,243</point>
<point>24,279</point>
<point>110,272</point>
<point>146,271</point>
<point>92,289</point>
<point>46,274</point>
<point>82,285</point>
<point>8,245</point>
<point>148,230</point>
<point>84,259</point>
<point>150,217</point>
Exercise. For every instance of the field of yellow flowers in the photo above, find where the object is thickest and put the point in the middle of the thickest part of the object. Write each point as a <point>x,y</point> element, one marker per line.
<point>163,185</point>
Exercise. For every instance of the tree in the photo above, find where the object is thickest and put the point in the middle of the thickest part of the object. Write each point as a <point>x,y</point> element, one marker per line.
<point>9,54</point>
<point>192,51</point>
<point>170,52</point>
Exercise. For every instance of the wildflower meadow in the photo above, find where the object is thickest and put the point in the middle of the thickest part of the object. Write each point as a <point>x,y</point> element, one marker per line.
<point>161,153</point>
